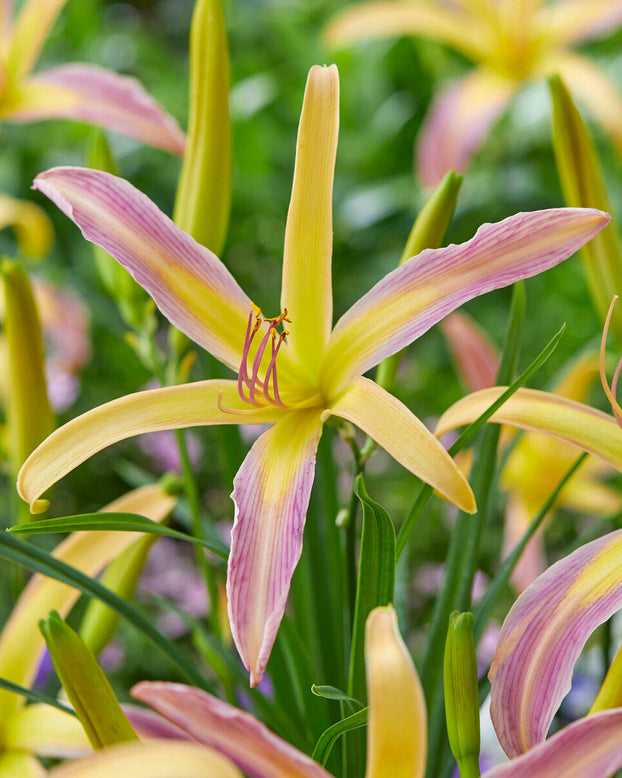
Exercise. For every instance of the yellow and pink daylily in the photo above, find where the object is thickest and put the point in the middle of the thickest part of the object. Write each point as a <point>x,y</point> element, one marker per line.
<point>536,463</point>
<point>30,730</point>
<point>512,42</point>
<point>76,91</point>
<point>227,740</point>
<point>294,379</point>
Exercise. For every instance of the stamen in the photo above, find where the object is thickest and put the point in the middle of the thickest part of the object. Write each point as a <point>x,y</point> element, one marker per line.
<point>612,391</point>
<point>272,371</point>
<point>257,364</point>
<point>243,371</point>
<point>234,411</point>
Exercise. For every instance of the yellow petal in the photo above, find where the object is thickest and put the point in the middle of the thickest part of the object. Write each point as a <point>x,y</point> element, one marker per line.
<point>156,759</point>
<point>389,422</point>
<point>307,288</point>
<point>15,764</point>
<point>33,229</point>
<point>170,407</point>
<point>20,641</point>
<point>46,731</point>
<point>32,27</point>
<point>556,416</point>
<point>385,19</point>
<point>397,729</point>
<point>570,21</point>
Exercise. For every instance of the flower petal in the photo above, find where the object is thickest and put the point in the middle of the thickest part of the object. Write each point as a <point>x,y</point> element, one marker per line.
<point>46,731</point>
<point>556,416</point>
<point>458,122</point>
<point>171,407</point>
<point>238,735</point>
<point>416,295</point>
<point>98,96</point>
<point>155,759</point>
<point>543,635</point>
<point>190,285</point>
<point>397,729</point>
<point>475,355</point>
<point>21,642</point>
<point>148,724</point>
<point>389,422</point>
<point>591,86</point>
<point>30,30</point>
<point>271,493</point>
<point>307,284</point>
<point>19,765</point>
<point>33,229</point>
<point>385,19</point>
<point>588,748</point>
<point>571,21</point>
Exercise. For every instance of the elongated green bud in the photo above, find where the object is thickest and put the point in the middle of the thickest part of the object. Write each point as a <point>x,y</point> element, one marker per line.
<point>204,192</point>
<point>583,186</point>
<point>428,232</point>
<point>130,298</point>
<point>100,622</point>
<point>29,416</point>
<point>461,695</point>
<point>86,685</point>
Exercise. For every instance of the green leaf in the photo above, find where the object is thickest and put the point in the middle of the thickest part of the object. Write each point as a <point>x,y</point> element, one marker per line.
<point>32,696</point>
<point>329,737</point>
<point>37,560</point>
<point>118,522</point>
<point>332,693</point>
<point>376,580</point>
<point>467,435</point>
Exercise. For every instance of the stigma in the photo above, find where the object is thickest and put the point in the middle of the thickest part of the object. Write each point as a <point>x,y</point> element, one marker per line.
<point>253,389</point>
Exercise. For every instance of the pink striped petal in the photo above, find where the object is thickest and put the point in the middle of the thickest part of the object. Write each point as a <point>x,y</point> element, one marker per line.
<point>91,94</point>
<point>589,748</point>
<point>238,735</point>
<point>389,422</point>
<point>543,635</point>
<point>458,122</point>
<point>271,494</point>
<point>148,724</point>
<point>422,291</point>
<point>190,285</point>
<point>571,21</point>
<point>473,351</point>
<point>170,407</point>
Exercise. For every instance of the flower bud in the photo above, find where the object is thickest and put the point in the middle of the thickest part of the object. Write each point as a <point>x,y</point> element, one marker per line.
<point>461,694</point>
<point>86,685</point>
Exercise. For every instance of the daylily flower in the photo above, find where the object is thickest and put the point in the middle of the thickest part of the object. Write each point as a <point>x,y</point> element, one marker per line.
<point>396,736</point>
<point>512,42</point>
<point>536,463</point>
<point>540,642</point>
<point>294,379</point>
<point>76,91</point>
<point>30,730</point>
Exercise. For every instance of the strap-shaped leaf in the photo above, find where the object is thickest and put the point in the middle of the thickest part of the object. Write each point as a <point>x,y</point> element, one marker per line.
<point>329,737</point>
<point>119,522</point>
<point>376,580</point>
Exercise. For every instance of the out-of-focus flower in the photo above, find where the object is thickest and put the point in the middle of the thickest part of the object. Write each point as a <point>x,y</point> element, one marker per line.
<point>76,91</point>
<point>30,730</point>
<point>536,463</point>
<point>610,391</point>
<point>33,229</point>
<point>396,736</point>
<point>320,369</point>
<point>512,42</point>
<point>396,743</point>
